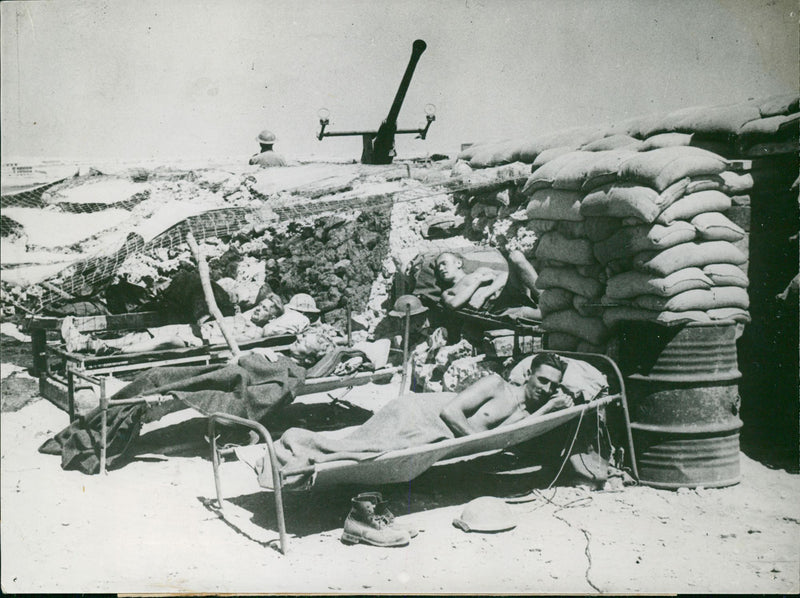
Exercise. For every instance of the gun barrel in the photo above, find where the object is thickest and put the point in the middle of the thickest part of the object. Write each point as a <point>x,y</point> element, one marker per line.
<point>416,51</point>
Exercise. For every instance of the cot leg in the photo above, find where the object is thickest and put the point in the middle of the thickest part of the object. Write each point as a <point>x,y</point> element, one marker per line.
<point>103,432</point>
<point>277,481</point>
<point>215,460</point>
<point>39,350</point>
<point>624,402</point>
<point>70,395</point>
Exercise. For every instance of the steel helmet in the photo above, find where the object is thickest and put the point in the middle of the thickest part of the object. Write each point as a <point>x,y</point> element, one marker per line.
<point>266,137</point>
<point>303,302</point>
<point>486,514</point>
<point>410,302</point>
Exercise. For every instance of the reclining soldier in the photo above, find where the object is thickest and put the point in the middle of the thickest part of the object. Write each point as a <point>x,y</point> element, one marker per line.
<point>249,325</point>
<point>484,286</point>
<point>491,401</point>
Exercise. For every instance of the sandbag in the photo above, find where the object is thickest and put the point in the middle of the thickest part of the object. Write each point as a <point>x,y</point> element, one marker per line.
<point>630,240</point>
<point>546,175</point>
<point>785,103</point>
<point>571,322</point>
<point>665,140</point>
<point>613,142</point>
<point>555,299</point>
<point>604,169</point>
<point>540,226</point>
<point>726,275</point>
<point>691,205</point>
<point>598,168</point>
<point>561,341</point>
<point>589,308</point>
<point>736,314</point>
<point>687,255</point>
<point>555,204</point>
<point>660,168</point>
<point>569,279</point>
<point>619,266</point>
<point>541,264</point>
<point>530,149</point>
<point>613,315</point>
<point>572,229</point>
<point>632,284</point>
<point>730,183</point>
<point>769,130</point>
<point>601,227</point>
<point>493,154</point>
<point>555,246</point>
<point>696,299</point>
<point>551,154</point>
<point>714,226</point>
<point>595,271</point>
<point>621,200</point>
<point>716,121</point>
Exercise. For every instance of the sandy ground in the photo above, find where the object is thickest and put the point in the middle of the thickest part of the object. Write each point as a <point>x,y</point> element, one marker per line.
<point>153,526</point>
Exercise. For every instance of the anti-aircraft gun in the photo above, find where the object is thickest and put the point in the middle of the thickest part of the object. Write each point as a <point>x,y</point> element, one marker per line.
<point>379,145</point>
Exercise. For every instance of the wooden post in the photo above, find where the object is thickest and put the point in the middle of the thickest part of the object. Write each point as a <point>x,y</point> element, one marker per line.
<point>406,333</point>
<point>205,280</point>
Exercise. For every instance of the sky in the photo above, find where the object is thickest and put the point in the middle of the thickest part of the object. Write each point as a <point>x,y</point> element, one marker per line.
<point>195,79</point>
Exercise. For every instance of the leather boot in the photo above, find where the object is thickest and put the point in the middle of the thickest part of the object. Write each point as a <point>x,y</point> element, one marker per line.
<point>382,510</point>
<point>363,524</point>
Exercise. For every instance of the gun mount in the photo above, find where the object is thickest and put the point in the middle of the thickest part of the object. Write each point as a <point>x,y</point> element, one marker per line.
<point>378,146</point>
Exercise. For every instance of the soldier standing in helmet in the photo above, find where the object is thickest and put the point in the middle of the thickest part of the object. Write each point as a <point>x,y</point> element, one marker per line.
<point>267,157</point>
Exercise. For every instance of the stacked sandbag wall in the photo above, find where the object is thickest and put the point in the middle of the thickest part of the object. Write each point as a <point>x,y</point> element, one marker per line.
<point>631,235</point>
<point>759,141</point>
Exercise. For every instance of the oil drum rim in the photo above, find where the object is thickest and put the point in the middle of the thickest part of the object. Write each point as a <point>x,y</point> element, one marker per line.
<point>680,430</point>
<point>688,378</point>
<point>676,485</point>
<point>714,324</point>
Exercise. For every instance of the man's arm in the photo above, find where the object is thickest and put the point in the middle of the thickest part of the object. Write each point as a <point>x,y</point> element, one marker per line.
<point>561,400</point>
<point>469,400</point>
<point>460,293</point>
<point>491,291</point>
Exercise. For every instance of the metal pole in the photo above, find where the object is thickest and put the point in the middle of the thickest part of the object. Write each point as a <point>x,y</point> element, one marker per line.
<point>349,325</point>
<point>103,426</point>
<point>277,477</point>
<point>70,394</point>
<point>215,460</point>
<point>406,334</point>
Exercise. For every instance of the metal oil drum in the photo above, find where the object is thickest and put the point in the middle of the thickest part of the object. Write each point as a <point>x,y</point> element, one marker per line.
<point>683,395</point>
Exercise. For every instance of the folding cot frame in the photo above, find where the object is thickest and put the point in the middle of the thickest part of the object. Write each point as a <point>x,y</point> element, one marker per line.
<point>91,368</point>
<point>406,464</point>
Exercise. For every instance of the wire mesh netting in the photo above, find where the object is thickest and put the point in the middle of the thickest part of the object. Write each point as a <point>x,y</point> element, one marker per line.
<point>88,277</point>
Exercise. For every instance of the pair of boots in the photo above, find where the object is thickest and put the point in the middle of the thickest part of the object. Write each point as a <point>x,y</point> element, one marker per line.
<point>370,521</point>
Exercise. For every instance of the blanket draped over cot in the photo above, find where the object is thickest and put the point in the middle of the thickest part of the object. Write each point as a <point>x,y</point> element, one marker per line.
<point>410,420</point>
<point>254,388</point>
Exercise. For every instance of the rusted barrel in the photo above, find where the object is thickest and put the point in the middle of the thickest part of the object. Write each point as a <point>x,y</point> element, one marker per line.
<point>682,385</point>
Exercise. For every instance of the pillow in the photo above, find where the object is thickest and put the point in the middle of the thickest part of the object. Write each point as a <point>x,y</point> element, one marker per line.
<point>582,380</point>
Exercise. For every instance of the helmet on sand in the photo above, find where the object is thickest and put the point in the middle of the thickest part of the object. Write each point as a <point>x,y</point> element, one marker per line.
<point>266,137</point>
<point>304,303</point>
<point>410,302</point>
<point>485,514</point>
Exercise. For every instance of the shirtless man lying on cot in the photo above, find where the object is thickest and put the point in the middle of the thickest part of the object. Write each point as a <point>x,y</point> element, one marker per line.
<point>492,402</point>
<point>514,288</point>
<point>252,324</point>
